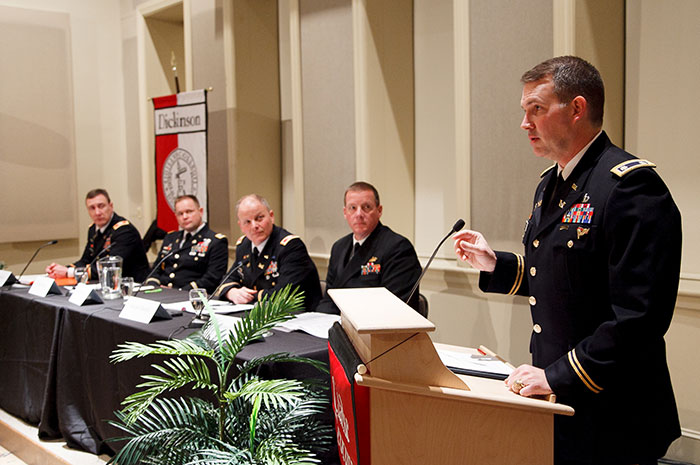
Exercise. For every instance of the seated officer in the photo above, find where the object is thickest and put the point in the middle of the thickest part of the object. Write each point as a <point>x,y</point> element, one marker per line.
<point>200,266</point>
<point>271,256</point>
<point>372,255</point>
<point>108,230</point>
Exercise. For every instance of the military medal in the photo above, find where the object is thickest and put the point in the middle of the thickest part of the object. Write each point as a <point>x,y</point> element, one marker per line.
<point>579,213</point>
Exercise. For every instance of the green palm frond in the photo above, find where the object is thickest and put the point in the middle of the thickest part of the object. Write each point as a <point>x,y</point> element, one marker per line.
<point>271,310</point>
<point>130,350</point>
<point>177,372</point>
<point>272,392</point>
<point>253,421</point>
<point>168,424</point>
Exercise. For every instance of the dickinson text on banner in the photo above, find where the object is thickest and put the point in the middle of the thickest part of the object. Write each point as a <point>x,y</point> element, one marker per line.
<point>180,122</point>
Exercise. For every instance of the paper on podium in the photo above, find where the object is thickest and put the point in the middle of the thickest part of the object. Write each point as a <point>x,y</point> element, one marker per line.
<point>314,323</point>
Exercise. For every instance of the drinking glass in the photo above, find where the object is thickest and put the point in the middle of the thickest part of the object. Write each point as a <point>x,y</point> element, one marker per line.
<point>197,298</point>
<point>81,274</point>
<point>127,287</point>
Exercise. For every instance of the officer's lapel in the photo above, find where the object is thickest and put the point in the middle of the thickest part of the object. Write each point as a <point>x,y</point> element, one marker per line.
<point>577,190</point>
<point>355,263</point>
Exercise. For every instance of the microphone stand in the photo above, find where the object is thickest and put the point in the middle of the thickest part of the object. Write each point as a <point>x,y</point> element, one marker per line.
<point>457,226</point>
<point>228,275</point>
<point>158,263</point>
<point>33,256</point>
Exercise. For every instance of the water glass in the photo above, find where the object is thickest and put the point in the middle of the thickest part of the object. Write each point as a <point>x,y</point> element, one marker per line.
<point>81,275</point>
<point>197,298</point>
<point>127,287</point>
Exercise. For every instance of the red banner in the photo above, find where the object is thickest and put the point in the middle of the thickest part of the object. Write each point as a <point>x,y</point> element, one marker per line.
<point>350,401</point>
<point>180,123</point>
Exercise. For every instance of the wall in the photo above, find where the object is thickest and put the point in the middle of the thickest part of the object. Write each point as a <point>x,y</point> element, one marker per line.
<point>661,125</point>
<point>99,116</point>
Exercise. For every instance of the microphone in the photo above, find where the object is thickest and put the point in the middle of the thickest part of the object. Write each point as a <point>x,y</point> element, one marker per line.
<point>32,259</point>
<point>99,254</point>
<point>155,267</point>
<point>457,226</point>
<point>228,275</point>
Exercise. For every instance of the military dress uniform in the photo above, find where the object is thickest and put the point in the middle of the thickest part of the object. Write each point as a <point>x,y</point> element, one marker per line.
<point>124,240</point>
<point>601,270</point>
<point>284,260</point>
<point>201,266</point>
<point>385,259</point>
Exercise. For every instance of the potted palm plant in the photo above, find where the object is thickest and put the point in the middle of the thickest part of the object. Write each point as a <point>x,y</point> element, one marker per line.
<point>249,421</point>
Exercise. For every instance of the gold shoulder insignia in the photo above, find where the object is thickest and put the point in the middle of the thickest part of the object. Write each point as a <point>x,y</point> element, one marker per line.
<point>240,239</point>
<point>630,165</point>
<point>547,170</point>
<point>220,236</point>
<point>120,224</point>
<point>288,238</point>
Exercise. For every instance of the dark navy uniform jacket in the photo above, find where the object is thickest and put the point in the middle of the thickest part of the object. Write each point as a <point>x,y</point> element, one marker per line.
<point>200,267</point>
<point>601,272</point>
<point>125,242</point>
<point>386,259</point>
<point>284,260</point>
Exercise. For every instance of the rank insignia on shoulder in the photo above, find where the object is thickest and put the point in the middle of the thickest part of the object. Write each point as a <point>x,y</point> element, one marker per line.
<point>220,236</point>
<point>240,239</point>
<point>579,213</point>
<point>120,224</point>
<point>288,238</point>
<point>630,165</point>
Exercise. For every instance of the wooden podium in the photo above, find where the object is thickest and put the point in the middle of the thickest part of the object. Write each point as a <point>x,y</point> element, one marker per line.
<point>422,413</point>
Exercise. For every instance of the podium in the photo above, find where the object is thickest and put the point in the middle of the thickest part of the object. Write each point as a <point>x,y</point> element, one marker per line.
<point>422,413</point>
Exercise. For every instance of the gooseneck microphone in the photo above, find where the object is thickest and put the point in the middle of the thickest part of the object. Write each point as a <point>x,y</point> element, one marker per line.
<point>155,267</point>
<point>33,256</point>
<point>228,275</point>
<point>457,226</point>
<point>99,254</point>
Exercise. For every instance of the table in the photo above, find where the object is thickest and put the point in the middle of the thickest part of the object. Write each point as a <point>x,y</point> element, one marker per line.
<point>55,370</point>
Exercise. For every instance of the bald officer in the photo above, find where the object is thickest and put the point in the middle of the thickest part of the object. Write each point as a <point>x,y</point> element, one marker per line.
<point>272,257</point>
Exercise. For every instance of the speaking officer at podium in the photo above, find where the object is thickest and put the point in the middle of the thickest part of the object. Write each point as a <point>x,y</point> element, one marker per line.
<point>601,269</point>
<point>200,266</point>
<point>108,230</point>
<point>271,258</point>
<point>372,255</point>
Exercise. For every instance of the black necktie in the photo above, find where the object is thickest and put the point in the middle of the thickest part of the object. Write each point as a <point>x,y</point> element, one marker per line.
<point>188,238</point>
<point>355,250</point>
<point>254,261</point>
<point>555,194</point>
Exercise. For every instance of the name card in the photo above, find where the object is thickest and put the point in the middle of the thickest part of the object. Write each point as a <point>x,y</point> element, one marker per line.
<point>143,310</point>
<point>6,277</point>
<point>85,294</point>
<point>43,286</point>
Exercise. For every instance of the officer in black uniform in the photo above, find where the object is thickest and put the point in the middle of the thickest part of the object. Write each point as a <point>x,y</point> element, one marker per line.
<point>270,257</point>
<point>200,255</point>
<point>601,270</point>
<point>110,231</point>
<point>372,255</point>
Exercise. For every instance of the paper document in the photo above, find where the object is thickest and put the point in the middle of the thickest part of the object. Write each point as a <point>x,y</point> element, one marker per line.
<point>220,307</point>
<point>314,323</point>
<point>474,364</point>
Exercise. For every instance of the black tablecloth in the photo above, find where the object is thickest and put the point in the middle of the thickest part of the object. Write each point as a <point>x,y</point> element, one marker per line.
<point>55,369</point>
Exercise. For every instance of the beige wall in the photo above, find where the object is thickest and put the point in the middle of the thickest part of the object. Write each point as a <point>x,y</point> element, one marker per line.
<point>99,121</point>
<point>661,125</point>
